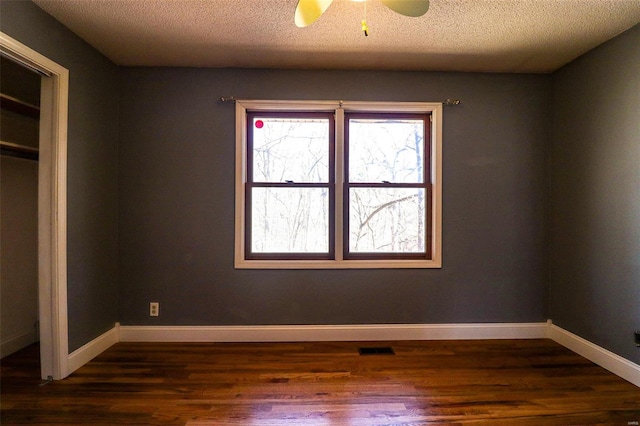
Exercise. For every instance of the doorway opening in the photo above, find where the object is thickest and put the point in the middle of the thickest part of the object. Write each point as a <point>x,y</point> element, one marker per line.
<point>51,201</point>
<point>19,140</point>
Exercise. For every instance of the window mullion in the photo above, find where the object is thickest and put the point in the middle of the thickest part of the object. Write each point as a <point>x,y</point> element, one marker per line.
<point>339,185</point>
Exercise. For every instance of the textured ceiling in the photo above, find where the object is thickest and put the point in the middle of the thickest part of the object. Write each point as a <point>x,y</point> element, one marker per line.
<point>536,36</point>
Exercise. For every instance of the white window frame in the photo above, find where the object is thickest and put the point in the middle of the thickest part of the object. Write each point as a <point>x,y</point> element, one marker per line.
<point>339,107</point>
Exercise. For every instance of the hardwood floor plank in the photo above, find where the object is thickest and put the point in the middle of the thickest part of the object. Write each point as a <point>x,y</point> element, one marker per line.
<point>494,382</point>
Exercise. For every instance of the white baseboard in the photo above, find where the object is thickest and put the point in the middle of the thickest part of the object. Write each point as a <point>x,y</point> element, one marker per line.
<point>616,364</point>
<point>18,341</point>
<point>300,333</point>
<point>370,332</point>
<point>86,353</point>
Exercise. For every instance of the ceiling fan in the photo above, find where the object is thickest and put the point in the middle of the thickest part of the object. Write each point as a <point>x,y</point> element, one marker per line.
<point>308,11</point>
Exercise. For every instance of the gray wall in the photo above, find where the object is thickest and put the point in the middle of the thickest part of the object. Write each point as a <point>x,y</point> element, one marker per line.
<point>92,166</point>
<point>176,203</point>
<point>595,197</point>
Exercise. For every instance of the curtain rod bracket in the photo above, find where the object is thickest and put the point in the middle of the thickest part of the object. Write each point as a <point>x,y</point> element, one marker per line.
<point>451,102</point>
<point>227,99</point>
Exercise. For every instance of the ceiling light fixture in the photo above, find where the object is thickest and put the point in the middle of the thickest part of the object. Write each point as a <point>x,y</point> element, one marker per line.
<point>308,11</point>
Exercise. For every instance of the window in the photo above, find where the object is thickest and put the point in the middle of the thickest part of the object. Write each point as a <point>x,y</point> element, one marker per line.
<point>289,194</point>
<point>338,185</point>
<point>387,182</point>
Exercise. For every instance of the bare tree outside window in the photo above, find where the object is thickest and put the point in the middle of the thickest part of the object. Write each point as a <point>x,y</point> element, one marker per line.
<point>387,184</point>
<point>291,160</point>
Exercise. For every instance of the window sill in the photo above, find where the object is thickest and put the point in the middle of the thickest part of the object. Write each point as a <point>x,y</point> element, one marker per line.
<point>337,264</point>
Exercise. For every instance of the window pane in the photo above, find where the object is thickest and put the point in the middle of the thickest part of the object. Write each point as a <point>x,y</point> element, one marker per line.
<point>290,220</point>
<point>386,149</point>
<point>387,220</point>
<point>290,149</point>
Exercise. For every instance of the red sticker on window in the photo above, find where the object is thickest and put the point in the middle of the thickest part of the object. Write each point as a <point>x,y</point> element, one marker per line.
<point>259,124</point>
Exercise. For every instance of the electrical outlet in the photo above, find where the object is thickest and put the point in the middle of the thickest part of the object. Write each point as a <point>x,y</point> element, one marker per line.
<point>154,309</point>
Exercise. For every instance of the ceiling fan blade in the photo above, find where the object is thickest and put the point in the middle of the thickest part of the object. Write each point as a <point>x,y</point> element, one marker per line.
<point>413,8</point>
<point>308,11</point>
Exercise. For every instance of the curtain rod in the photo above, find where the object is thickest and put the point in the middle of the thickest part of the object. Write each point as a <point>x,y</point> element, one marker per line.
<point>447,102</point>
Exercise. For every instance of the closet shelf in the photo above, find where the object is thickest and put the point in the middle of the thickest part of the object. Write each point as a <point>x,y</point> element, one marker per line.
<point>18,106</point>
<point>19,151</point>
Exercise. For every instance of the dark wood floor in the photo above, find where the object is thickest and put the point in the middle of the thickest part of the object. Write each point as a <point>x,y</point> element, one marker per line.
<point>498,382</point>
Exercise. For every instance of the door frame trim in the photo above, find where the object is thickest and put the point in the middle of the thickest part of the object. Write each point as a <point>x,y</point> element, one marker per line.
<point>52,206</point>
